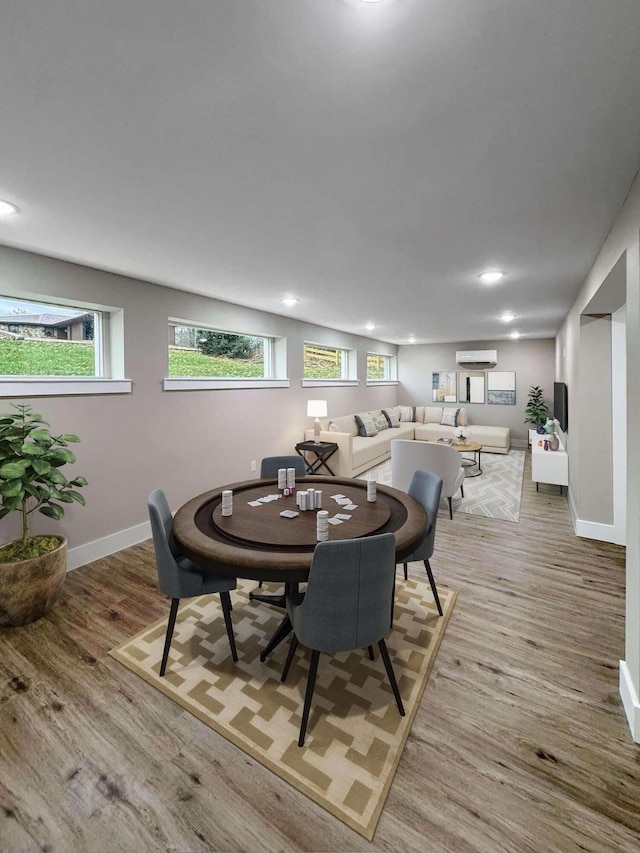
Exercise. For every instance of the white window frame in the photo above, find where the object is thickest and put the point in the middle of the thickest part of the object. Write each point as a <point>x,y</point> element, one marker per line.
<point>274,363</point>
<point>348,367</point>
<point>391,369</point>
<point>108,350</point>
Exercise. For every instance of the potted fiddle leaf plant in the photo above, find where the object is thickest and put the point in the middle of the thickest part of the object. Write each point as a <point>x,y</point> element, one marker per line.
<point>536,410</point>
<point>33,568</point>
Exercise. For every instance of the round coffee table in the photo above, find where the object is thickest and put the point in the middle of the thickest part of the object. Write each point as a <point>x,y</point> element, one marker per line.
<point>470,447</point>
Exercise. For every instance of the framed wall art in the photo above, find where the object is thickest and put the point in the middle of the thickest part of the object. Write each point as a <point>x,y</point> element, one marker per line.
<point>443,387</point>
<point>501,387</point>
<point>471,386</point>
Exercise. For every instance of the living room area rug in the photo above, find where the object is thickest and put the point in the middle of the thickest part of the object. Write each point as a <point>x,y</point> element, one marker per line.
<point>496,493</point>
<point>355,736</point>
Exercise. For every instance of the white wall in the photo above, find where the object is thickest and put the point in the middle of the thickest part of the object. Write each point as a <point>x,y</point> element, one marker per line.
<point>185,442</point>
<point>624,238</point>
<point>533,362</point>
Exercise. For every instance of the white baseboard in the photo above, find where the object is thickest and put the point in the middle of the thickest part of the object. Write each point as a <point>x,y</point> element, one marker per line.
<point>601,532</point>
<point>630,701</point>
<point>100,548</point>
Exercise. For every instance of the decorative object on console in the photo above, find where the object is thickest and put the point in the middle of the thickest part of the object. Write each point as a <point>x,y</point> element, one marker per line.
<point>536,410</point>
<point>554,442</point>
<point>501,387</point>
<point>316,409</point>
<point>549,427</point>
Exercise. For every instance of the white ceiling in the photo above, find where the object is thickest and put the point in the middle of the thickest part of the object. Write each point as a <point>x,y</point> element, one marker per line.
<point>369,158</point>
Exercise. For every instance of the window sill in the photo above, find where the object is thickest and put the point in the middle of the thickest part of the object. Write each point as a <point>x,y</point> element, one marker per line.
<point>64,386</point>
<point>382,382</point>
<point>328,383</point>
<point>203,384</point>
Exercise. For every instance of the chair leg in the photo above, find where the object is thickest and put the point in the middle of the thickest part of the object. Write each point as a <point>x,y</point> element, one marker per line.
<point>392,678</point>
<point>167,640</point>
<point>462,490</point>
<point>406,575</point>
<point>260,584</point>
<point>433,585</point>
<point>450,508</point>
<point>371,655</point>
<point>225,600</point>
<point>311,681</point>
<point>293,645</point>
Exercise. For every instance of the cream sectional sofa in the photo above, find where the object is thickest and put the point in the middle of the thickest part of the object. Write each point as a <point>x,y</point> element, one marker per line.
<point>358,453</point>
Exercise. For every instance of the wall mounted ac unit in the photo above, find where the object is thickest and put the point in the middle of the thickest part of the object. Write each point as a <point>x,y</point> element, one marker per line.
<point>477,359</point>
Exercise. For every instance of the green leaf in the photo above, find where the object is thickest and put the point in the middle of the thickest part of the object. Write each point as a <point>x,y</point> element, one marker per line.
<point>52,510</point>
<point>67,437</point>
<point>79,481</point>
<point>32,490</point>
<point>77,497</point>
<point>40,435</point>
<point>11,488</point>
<point>32,450</point>
<point>13,470</point>
<point>40,466</point>
<point>4,512</point>
<point>60,456</point>
<point>57,477</point>
<point>13,502</point>
<point>64,497</point>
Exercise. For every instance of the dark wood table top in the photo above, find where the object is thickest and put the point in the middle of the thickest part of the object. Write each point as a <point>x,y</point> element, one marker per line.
<point>255,542</point>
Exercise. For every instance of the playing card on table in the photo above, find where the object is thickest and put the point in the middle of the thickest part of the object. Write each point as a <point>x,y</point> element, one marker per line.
<point>342,516</point>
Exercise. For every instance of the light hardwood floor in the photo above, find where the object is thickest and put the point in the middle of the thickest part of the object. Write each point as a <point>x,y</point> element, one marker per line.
<point>520,743</point>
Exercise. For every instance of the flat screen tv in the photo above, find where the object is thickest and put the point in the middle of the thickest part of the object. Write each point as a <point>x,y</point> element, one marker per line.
<point>560,410</point>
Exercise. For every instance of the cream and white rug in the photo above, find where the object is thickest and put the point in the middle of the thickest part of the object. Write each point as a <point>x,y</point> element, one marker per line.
<point>355,737</point>
<point>496,493</point>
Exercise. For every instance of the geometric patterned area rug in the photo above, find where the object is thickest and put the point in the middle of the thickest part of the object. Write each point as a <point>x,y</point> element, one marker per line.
<point>355,736</point>
<point>496,493</point>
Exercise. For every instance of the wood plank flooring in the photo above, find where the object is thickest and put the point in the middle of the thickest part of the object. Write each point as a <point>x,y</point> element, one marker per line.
<point>520,743</point>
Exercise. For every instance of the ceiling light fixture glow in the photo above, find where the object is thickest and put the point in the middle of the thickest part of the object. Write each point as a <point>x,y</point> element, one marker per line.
<point>369,327</point>
<point>6,208</point>
<point>289,301</point>
<point>490,276</point>
<point>507,317</point>
<point>412,340</point>
<point>515,335</point>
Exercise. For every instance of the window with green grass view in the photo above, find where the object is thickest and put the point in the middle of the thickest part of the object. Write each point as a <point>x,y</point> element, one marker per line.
<point>325,362</point>
<point>40,339</point>
<point>379,366</point>
<point>205,352</point>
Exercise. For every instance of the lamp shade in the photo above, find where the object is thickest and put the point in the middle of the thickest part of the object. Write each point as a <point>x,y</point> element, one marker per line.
<point>317,408</point>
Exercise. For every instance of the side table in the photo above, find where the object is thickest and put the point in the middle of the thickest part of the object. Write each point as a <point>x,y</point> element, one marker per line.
<point>323,451</point>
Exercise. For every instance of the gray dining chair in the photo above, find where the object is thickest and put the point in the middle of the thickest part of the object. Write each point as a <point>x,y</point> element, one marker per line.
<point>346,606</point>
<point>425,487</point>
<point>270,464</point>
<point>178,577</point>
<point>269,468</point>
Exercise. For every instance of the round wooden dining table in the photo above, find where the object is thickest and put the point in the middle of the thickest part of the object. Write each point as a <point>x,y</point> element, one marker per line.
<point>256,542</point>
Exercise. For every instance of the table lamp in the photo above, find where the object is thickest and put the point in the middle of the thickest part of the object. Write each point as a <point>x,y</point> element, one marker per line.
<point>316,409</point>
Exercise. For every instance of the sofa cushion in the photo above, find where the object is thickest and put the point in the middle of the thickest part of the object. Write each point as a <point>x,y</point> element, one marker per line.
<point>431,414</point>
<point>407,413</point>
<point>449,417</point>
<point>366,425</point>
<point>392,416</point>
<point>490,436</point>
<point>346,423</point>
<point>380,420</point>
<point>367,451</point>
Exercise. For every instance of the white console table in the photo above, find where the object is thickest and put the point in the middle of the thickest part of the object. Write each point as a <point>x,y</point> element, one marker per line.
<point>549,466</point>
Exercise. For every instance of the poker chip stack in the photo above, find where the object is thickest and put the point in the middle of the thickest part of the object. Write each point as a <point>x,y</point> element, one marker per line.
<point>227,502</point>
<point>322,525</point>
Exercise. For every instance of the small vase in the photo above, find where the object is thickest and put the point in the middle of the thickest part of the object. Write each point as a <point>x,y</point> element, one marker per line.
<point>548,427</point>
<point>540,429</point>
<point>554,442</point>
<point>546,444</point>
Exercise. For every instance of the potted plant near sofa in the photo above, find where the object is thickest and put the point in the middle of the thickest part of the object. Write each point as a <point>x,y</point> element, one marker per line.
<point>33,568</point>
<point>536,410</point>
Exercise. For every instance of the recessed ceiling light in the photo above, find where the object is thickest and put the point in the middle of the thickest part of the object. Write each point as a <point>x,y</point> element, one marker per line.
<point>412,340</point>
<point>490,276</point>
<point>507,317</point>
<point>6,208</point>
<point>369,327</point>
<point>515,335</point>
<point>289,301</point>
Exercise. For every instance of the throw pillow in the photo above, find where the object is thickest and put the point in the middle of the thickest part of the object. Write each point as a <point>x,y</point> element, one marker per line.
<point>449,417</point>
<point>365,424</point>
<point>380,420</point>
<point>334,427</point>
<point>407,413</point>
<point>392,416</point>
